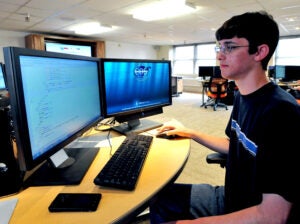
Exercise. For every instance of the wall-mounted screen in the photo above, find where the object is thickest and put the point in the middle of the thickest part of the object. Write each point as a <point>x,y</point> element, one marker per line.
<point>77,49</point>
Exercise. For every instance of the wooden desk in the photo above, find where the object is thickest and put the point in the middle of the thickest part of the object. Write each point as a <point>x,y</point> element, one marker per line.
<point>164,163</point>
<point>288,84</point>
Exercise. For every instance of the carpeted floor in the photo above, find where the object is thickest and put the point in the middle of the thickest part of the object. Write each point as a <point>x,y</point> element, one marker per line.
<point>186,109</point>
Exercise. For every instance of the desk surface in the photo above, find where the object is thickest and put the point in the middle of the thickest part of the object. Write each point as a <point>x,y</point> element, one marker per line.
<point>164,163</point>
<point>288,84</point>
<point>199,79</point>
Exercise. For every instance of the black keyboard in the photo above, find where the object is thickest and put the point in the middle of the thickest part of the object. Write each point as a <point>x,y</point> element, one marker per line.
<point>124,167</point>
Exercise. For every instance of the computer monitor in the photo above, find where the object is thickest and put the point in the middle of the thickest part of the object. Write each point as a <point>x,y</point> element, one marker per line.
<point>2,78</point>
<point>4,96</point>
<point>69,48</point>
<point>217,72</point>
<point>287,73</point>
<point>292,73</point>
<point>279,72</point>
<point>55,98</point>
<point>271,71</point>
<point>134,89</point>
<point>205,71</point>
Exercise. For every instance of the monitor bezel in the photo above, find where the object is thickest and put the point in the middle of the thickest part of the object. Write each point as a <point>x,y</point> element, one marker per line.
<point>137,112</point>
<point>18,109</point>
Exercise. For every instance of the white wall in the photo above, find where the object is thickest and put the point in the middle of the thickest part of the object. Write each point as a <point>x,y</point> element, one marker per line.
<point>112,49</point>
<point>122,50</point>
<point>11,38</point>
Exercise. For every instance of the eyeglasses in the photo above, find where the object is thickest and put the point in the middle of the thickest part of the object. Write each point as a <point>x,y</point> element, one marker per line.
<point>226,49</point>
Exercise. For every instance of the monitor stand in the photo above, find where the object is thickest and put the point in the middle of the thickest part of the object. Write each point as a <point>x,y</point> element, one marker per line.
<point>136,126</point>
<point>69,173</point>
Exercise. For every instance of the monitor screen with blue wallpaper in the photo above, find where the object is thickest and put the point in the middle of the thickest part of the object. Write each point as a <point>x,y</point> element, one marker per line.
<point>134,89</point>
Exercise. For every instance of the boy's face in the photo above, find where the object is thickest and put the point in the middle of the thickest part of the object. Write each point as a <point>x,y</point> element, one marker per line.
<point>235,60</point>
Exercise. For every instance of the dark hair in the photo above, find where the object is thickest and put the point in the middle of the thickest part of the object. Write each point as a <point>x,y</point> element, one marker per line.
<point>257,27</point>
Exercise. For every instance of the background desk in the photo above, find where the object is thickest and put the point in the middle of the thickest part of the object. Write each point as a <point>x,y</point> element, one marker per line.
<point>164,163</point>
<point>204,87</point>
<point>288,84</point>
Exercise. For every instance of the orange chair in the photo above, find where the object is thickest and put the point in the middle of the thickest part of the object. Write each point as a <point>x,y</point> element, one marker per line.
<point>216,91</point>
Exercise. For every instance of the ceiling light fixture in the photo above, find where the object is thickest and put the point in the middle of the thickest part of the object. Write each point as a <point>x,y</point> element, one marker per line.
<point>162,10</point>
<point>90,28</point>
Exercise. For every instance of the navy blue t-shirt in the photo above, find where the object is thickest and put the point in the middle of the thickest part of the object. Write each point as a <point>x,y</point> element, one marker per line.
<point>264,149</point>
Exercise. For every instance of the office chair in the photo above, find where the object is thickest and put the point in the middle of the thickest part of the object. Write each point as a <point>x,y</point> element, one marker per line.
<point>217,158</point>
<point>216,91</point>
<point>295,93</point>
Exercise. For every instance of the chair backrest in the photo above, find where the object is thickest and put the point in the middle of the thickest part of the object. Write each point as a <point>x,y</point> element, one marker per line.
<point>217,87</point>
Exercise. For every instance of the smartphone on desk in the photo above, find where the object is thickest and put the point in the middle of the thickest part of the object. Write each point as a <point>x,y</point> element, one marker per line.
<point>75,202</point>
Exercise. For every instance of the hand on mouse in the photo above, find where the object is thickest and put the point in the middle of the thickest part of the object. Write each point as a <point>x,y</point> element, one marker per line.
<point>174,130</point>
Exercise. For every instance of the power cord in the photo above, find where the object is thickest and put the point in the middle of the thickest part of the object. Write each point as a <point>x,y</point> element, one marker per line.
<point>109,142</point>
<point>106,125</point>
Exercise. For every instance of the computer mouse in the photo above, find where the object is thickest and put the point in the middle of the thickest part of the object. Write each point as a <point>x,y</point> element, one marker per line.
<point>165,136</point>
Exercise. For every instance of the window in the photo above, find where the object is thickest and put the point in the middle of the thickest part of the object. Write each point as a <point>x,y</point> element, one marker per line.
<point>186,59</point>
<point>288,52</point>
<point>206,55</point>
<point>183,60</point>
<point>184,53</point>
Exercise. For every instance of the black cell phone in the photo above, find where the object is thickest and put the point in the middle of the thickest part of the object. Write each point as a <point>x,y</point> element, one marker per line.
<point>75,202</point>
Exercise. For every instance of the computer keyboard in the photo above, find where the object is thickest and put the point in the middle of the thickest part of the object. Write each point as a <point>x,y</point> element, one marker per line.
<point>124,167</point>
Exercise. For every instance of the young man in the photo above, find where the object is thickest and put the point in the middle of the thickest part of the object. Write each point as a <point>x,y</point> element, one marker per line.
<point>263,150</point>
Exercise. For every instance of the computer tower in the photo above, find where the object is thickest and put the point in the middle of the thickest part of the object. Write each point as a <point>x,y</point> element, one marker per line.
<point>10,175</point>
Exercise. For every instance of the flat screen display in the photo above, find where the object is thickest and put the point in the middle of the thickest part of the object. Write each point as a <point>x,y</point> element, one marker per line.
<point>60,98</point>
<point>292,72</point>
<point>205,71</point>
<point>287,73</point>
<point>54,97</point>
<point>2,81</point>
<point>83,50</point>
<point>280,71</point>
<point>135,87</point>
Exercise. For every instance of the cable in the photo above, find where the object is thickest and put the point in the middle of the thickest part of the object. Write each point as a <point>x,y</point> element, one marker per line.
<point>108,139</point>
<point>105,125</point>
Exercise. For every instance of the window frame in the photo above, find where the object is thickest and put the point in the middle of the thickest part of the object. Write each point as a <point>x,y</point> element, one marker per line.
<point>284,55</point>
